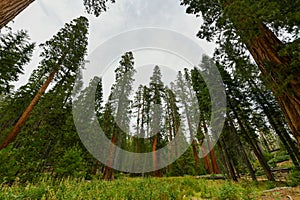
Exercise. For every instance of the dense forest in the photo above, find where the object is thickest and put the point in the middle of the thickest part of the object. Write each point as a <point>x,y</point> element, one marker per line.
<point>257,56</point>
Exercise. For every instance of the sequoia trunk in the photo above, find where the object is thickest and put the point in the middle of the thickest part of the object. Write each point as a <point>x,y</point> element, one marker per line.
<point>285,85</point>
<point>17,128</point>
<point>9,9</point>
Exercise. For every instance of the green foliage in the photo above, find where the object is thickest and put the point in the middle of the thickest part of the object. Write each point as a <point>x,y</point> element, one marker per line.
<point>15,52</point>
<point>228,191</point>
<point>8,172</point>
<point>49,132</point>
<point>218,16</point>
<point>184,165</point>
<point>268,156</point>
<point>279,158</point>
<point>96,7</point>
<point>71,164</point>
<point>294,177</point>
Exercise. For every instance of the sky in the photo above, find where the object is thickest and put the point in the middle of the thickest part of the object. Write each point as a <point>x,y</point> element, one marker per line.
<point>44,18</point>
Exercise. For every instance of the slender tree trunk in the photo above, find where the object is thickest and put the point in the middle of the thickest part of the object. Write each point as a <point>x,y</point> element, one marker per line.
<point>96,167</point>
<point>9,9</point>
<point>243,152</point>
<point>223,157</point>
<point>137,135</point>
<point>228,162</point>
<point>154,143</point>
<point>194,143</point>
<point>277,125</point>
<point>17,128</point>
<point>264,140</point>
<point>170,153</point>
<point>254,146</point>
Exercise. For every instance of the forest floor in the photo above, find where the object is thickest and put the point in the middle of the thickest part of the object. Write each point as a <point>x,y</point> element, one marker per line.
<point>148,188</point>
<point>281,193</point>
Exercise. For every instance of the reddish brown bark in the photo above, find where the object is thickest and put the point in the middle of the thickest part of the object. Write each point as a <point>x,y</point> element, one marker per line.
<point>264,49</point>
<point>108,170</point>
<point>212,152</point>
<point>194,144</point>
<point>214,162</point>
<point>17,128</point>
<point>9,9</point>
<point>154,147</point>
<point>206,161</point>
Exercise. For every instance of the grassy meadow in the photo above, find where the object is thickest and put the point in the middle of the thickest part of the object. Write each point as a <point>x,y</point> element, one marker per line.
<point>139,188</point>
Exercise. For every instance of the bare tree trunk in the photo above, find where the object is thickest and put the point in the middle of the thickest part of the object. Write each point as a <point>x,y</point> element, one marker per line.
<point>212,152</point>
<point>108,170</point>
<point>194,142</point>
<point>17,128</point>
<point>277,125</point>
<point>171,152</point>
<point>254,146</point>
<point>243,152</point>
<point>223,157</point>
<point>154,147</point>
<point>206,161</point>
<point>194,145</point>
<point>9,9</point>
<point>228,162</point>
<point>95,167</point>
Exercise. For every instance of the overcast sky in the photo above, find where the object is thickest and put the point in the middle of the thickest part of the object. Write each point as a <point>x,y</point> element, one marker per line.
<point>45,17</point>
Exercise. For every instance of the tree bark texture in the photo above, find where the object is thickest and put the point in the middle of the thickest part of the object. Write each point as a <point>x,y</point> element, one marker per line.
<point>285,84</point>
<point>9,9</point>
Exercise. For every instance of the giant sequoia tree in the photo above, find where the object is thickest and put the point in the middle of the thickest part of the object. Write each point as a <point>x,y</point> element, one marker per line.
<point>254,26</point>
<point>63,56</point>
<point>9,9</point>
<point>120,105</point>
<point>156,92</point>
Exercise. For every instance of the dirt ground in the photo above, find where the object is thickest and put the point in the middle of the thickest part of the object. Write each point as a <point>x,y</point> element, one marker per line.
<point>281,193</point>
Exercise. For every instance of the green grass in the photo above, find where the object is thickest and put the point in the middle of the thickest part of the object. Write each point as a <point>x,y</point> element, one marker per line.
<point>133,188</point>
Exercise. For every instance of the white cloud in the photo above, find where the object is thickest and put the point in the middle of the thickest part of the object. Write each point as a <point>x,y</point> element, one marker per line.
<point>44,18</point>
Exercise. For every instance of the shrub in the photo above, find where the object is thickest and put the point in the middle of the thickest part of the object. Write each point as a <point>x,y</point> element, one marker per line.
<point>71,164</point>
